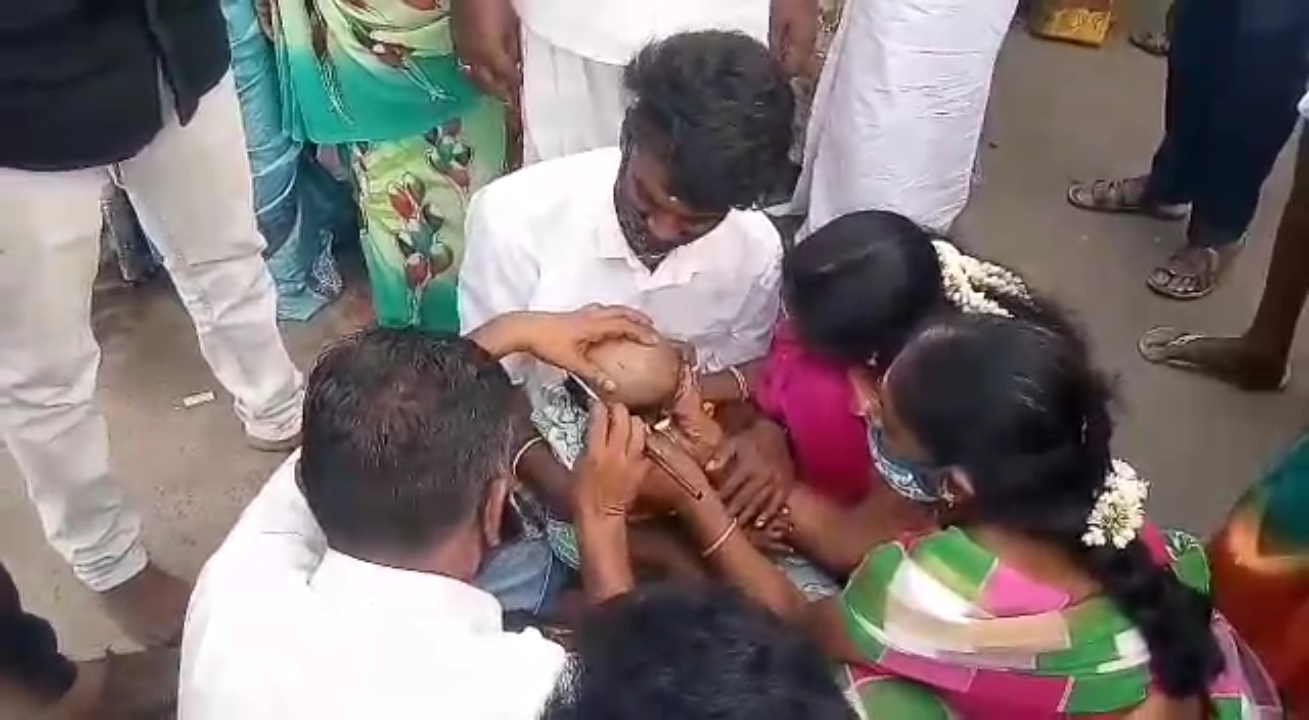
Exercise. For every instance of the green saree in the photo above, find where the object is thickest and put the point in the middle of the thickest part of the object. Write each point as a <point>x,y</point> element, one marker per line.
<point>378,79</point>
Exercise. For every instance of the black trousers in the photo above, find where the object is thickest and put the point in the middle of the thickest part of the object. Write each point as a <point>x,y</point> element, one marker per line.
<point>29,650</point>
<point>1236,72</point>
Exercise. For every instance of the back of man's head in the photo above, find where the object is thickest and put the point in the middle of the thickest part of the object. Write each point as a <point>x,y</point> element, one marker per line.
<point>404,433</point>
<point>694,653</point>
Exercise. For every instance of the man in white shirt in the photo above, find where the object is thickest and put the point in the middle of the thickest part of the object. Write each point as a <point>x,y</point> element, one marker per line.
<point>344,589</point>
<point>563,64</point>
<point>662,225</point>
<point>1259,359</point>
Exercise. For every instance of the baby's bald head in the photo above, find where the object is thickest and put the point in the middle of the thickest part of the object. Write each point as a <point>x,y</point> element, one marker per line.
<point>646,376</point>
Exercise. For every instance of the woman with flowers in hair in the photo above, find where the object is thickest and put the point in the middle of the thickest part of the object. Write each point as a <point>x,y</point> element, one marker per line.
<point>1039,591</point>
<point>854,292</point>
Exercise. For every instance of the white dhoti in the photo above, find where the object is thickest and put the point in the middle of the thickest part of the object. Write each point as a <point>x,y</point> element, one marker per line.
<point>571,103</point>
<point>898,112</point>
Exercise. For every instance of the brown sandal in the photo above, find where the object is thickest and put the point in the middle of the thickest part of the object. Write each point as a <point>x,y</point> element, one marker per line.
<point>1122,195</point>
<point>1193,272</point>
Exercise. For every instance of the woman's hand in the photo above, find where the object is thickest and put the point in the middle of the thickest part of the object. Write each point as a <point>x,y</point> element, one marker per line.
<point>691,417</point>
<point>793,35</point>
<point>755,474</point>
<point>563,339</point>
<point>773,538</point>
<point>660,488</point>
<point>486,41</point>
<point>613,467</point>
<point>609,473</point>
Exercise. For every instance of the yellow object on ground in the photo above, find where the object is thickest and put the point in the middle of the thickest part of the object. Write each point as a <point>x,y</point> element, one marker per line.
<point>1081,21</point>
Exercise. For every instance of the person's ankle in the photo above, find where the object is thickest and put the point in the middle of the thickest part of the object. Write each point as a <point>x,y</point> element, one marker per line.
<point>151,607</point>
<point>1266,348</point>
<point>282,446</point>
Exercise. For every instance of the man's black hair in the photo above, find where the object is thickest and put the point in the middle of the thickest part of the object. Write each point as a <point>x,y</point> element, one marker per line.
<point>693,652</point>
<point>403,433</point>
<point>717,109</point>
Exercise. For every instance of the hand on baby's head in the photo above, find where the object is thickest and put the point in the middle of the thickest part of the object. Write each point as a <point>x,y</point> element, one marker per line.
<point>645,377</point>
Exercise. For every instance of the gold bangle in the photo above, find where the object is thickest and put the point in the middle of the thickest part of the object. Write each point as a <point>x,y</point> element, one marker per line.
<point>518,456</point>
<point>741,385</point>
<point>722,540</point>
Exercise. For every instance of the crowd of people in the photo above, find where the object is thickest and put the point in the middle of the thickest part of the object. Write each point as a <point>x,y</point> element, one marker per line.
<point>616,447</point>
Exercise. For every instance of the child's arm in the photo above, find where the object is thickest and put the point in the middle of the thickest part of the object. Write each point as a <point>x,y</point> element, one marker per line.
<point>549,480</point>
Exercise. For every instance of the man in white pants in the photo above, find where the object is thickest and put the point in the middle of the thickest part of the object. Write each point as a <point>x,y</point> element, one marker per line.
<point>135,92</point>
<point>563,65</point>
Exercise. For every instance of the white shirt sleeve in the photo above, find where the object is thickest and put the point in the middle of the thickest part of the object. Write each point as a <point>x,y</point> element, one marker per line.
<point>1304,107</point>
<point>499,272</point>
<point>753,331</point>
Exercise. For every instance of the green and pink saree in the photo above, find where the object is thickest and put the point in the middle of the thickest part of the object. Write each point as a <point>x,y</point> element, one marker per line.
<point>951,632</point>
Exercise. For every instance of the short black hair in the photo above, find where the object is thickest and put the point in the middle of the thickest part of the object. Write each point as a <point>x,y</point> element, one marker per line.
<point>404,431</point>
<point>693,652</point>
<point>717,108</point>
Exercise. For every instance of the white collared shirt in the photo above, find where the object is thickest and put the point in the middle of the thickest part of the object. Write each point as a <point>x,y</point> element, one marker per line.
<point>1304,107</point>
<point>282,628</point>
<point>547,238</point>
<point>612,31</point>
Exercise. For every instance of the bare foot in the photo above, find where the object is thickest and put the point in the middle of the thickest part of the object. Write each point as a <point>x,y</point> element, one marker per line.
<point>150,607</point>
<point>1233,360</point>
<point>133,686</point>
<point>140,685</point>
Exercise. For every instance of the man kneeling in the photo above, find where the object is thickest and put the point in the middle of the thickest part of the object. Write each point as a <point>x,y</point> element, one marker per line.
<point>346,588</point>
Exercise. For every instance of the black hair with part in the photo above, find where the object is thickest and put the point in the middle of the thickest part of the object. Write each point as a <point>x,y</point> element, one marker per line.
<point>717,109</point>
<point>404,432</point>
<point>693,653</point>
<point>1021,411</point>
<point>860,286</point>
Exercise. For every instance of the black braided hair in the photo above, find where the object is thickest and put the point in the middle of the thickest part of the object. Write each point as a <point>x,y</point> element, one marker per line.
<point>1019,409</point>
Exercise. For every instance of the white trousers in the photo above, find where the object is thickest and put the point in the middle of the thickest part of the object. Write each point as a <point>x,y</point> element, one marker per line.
<point>898,111</point>
<point>571,103</point>
<point>191,188</point>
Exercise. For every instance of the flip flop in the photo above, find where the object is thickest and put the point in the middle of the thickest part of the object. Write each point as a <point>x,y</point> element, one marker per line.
<point>1162,346</point>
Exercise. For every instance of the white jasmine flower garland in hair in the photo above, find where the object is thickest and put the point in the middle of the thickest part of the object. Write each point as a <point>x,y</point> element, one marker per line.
<point>1119,511</point>
<point>970,283</point>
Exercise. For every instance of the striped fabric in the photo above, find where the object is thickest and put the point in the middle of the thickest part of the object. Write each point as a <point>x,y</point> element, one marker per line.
<point>949,631</point>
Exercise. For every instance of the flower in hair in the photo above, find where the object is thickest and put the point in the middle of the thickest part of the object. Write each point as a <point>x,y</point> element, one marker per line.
<point>1119,511</point>
<point>971,283</point>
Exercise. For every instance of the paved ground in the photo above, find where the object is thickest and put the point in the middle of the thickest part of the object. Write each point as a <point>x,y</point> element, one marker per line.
<point>1059,112</point>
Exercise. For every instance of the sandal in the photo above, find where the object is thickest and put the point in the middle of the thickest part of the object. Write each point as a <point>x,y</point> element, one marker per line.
<point>1193,272</point>
<point>1218,357</point>
<point>1123,195</point>
<point>1151,42</point>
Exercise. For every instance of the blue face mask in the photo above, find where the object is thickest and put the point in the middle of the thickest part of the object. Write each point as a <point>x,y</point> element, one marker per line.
<point>906,478</point>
